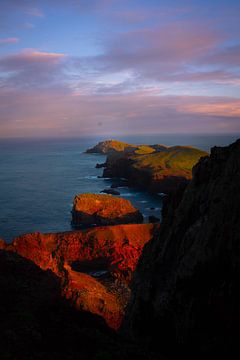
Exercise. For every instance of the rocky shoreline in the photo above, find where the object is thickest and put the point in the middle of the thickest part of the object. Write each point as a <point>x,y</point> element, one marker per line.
<point>171,290</point>
<point>155,168</point>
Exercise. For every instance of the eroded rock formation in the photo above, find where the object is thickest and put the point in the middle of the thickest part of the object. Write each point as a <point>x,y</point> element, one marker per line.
<point>37,323</point>
<point>95,265</point>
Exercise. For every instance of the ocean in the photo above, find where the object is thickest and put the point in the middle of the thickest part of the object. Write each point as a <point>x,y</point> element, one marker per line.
<point>40,177</point>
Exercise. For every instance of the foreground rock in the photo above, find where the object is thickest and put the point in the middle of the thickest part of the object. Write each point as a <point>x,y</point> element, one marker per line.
<point>2,244</point>
<point>37,324</point>
<point>95,266</point>
<point>93,209</point>
<point>186,292</point>
<point>160,171</point>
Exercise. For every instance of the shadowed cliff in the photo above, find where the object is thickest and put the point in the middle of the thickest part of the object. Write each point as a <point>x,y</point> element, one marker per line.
<point>38,324</point>
<point>185,293</point>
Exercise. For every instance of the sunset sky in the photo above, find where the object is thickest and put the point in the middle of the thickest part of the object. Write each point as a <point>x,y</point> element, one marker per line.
<point>114,67</point>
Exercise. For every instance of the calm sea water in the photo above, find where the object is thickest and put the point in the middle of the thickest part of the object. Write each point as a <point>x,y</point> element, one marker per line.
<point>39,179</point>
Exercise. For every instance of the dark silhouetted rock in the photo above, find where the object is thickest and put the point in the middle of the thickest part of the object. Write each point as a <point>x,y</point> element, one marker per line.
<point>186,292</point>
<point>99,166</point>
<point>38,324</point>
<point>110,191</point>
<point>153,219</point>
<point>119,183</point>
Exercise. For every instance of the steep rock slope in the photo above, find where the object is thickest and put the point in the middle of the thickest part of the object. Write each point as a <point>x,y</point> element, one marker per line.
<point>89,263</point>
<point>38,324</point>
<point>186,290</point>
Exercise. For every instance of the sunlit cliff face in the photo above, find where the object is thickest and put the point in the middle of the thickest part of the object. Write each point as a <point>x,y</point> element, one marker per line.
<point>116,67</point>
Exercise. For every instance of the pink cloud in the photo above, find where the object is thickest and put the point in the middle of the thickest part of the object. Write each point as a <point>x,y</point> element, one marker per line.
<point>228,56</point>
<point>32,68</point>
<point>52,113</point>
<point>34,12</point>
<point>154,52</point>
<point>227,108</point>
<point>33,55</point>
<point>10,40</point>
<point>29,57</point>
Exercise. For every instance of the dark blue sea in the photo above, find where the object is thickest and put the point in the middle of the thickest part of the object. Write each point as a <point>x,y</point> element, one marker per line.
<point>39,179</point>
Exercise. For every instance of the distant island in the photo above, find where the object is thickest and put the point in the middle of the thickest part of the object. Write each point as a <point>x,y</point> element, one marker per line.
<point>155,168</point>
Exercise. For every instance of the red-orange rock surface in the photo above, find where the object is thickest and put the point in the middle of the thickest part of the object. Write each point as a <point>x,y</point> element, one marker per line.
<point>2,244</point>
<point>89,209</point>
<point>113,249</point>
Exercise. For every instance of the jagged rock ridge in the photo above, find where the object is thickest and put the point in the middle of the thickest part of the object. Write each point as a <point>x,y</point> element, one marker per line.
<point>185,294</point>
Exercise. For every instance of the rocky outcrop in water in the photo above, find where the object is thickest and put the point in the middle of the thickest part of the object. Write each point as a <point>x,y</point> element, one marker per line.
<point>110,191</point>
<point>95,266</point>
<point>93,209</point>
<point>186,293</point>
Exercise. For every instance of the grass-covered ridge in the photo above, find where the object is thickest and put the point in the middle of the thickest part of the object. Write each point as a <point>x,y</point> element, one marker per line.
<point>109,146</point>
<point>178,158</point>
<point>156,168</point>
<point>105,147</point>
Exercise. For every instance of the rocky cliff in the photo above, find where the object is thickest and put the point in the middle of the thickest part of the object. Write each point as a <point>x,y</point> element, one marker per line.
<point>38,324</point>
<point>186,293</point>
<point>160,171</point>
<point>95,266</point>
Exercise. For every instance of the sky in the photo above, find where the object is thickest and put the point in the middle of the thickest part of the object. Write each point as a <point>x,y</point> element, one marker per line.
<point>115,67</point>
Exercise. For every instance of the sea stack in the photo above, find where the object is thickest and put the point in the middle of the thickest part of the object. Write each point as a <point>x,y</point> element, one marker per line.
<point>95,209</point>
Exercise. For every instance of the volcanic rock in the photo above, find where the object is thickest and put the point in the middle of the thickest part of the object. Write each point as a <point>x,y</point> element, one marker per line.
<point>89,209</point>
<point>75,256</point>
<point>110,191</point>
<point>2,244</point>
<point>99,166</point>
<point>37,323</point>
<point>185,294</point>
<point>153,219</point>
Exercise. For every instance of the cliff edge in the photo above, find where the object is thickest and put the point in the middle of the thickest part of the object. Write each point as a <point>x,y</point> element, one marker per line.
<point>185,293</point>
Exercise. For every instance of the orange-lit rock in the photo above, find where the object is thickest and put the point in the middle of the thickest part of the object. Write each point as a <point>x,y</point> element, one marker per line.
<point>86,293</point>
<point>74,256</point>
<point>90,209</point>
<point>2,244</point>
